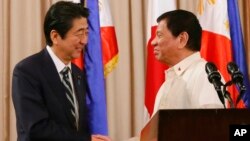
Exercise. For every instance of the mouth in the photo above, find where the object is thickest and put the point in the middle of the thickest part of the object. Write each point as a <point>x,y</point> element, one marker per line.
<point>156,52</point>
<point>79,49</point>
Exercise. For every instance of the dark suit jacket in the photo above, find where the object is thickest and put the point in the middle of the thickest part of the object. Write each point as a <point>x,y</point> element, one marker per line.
<point>40,102</point>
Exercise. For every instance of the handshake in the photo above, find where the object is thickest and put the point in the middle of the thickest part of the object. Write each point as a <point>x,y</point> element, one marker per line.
<point>98,137</point>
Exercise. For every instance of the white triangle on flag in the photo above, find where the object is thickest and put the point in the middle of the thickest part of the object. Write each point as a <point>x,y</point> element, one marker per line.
<point>214,12</point>
<point>105,14</point>
<point>155,9</point>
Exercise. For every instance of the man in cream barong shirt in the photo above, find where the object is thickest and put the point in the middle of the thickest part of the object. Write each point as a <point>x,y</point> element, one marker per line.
<point>177,44</point>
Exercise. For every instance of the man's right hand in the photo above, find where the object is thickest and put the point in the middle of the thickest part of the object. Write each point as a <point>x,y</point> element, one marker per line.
<point>100,138</point>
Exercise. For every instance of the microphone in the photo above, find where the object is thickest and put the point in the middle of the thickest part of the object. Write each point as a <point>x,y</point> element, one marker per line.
<point>236,75</point>
<point>237,78</point>
<point>214,77</point>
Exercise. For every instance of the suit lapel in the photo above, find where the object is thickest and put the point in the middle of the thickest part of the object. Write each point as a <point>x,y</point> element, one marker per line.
<point>78,81</point>
<point>52,75</point>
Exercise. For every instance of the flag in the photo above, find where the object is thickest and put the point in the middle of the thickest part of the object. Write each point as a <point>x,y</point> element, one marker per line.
<point>239,56</point>
<point>100,57</point>
<point>155,70</point>
<point>95,76</point>
<point>108,38</point>
<point>216,45</point>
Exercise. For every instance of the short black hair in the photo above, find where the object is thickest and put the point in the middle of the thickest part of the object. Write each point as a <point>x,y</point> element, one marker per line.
<point>60,17</point>
<point>184,21</point>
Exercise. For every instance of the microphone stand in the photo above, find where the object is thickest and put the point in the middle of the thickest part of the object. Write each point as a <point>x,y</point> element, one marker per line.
<point>220,94</point>
<point>242,91</point>
<point>228,97</point>
<point>227,94</point>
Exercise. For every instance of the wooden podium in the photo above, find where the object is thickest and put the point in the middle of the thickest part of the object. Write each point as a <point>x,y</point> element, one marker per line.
<point>194,125</point>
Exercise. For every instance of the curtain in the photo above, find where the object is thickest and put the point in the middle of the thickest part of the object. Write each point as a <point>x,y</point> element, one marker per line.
<point>245,12</point>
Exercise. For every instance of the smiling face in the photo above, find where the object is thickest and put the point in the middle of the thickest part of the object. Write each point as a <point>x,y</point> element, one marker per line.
<point>71,46</point>
<point>165,44</point>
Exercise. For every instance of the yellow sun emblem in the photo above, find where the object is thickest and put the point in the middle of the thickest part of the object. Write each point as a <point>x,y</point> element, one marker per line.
<point>201,5</point>
<point>227,25</point>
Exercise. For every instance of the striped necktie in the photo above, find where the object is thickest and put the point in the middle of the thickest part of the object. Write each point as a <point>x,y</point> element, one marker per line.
<point>69,91</point>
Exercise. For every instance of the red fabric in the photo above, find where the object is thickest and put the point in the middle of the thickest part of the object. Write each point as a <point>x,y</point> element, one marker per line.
<point>154,76</point>
<point>109,43</point>
<point>79,61</point>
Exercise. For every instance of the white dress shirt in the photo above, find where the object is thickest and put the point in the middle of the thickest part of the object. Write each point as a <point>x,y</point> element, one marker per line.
<point>186,86</point>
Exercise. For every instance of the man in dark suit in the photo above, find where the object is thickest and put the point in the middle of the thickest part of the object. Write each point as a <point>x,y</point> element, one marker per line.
<point>48,90</point>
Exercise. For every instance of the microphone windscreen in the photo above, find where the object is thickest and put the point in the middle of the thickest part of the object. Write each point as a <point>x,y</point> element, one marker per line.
<point>213,74</point>
<point>210,67</point>
<point>232,68</point>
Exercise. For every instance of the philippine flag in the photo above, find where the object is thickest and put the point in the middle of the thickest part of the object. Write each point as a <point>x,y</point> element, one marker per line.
<point>222,40</point>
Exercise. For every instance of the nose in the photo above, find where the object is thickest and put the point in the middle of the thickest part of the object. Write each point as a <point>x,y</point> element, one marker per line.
<point>84,39</point>
<point>154,42</point>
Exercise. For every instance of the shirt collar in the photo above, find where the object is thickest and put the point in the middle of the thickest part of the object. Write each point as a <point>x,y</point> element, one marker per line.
<point>184,64</point>
<point>58,63</point>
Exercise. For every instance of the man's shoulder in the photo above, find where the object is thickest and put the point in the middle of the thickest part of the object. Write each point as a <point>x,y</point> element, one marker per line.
<point>31,61</point>
<point>198,65</point>
<point>196,71</point>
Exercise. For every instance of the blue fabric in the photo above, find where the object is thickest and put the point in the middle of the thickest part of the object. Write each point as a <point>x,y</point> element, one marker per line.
<point>96,99</point>
<point>238,45</point>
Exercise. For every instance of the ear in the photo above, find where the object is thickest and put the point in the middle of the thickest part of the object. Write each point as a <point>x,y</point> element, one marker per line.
<point>54,36</point>
<point>183,39</point>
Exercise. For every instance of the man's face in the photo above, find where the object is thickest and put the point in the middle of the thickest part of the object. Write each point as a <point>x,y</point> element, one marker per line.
<point>165,44</point>
<point>75,40</point>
